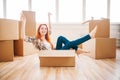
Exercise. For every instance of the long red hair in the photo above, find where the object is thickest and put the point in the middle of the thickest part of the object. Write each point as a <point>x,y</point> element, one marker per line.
<point>47,36</point>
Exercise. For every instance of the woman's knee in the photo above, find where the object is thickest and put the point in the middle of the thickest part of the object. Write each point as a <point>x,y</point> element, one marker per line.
<point>60,37</point>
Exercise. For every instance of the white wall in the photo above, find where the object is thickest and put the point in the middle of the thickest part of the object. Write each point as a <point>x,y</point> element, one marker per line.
<point>70,31</point>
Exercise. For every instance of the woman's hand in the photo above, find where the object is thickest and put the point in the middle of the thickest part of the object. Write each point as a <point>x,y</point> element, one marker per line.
<point>50,28</point>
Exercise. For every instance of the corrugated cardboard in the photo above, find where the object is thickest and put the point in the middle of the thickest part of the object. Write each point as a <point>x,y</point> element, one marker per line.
<point>30,27</point>
<point>101,47</point>
<point>57,58</point>
<point>21,30</point>
<point>9,29</point>
<point>23,48</point>
<point>6,50</point>
<point>103,30</point>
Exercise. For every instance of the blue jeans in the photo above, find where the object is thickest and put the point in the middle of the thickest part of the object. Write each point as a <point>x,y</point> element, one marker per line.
<point>64,44</point>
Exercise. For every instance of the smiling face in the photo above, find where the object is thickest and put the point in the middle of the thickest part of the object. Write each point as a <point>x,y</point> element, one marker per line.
<point>43,30</point>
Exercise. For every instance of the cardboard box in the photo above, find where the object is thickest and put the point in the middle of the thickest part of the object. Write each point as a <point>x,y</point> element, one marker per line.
<point>30,27</point>
<point>101,47</point>
<point>6,51</point>
<point>57,58</point>
<point>9,29</point>
<point>21,30</point>
<point>103,30</point>
<point>23,48</point>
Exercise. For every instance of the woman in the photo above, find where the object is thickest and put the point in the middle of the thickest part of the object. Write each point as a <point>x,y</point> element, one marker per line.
<point>42,40</point>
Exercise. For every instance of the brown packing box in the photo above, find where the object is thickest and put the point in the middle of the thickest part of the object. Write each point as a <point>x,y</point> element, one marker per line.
<point>101,47</point>
<point>23,48</point>
<point>103,28</point>
<point>9,29</point>
<point>6,50</point>
<point>21,29</point>
<point>30,27</point>
<point>57,58</point>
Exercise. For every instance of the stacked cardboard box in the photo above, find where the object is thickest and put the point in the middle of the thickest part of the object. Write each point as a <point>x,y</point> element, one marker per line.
<point>57,58</point>
<point>103,30</point>
<point>9,31</point>
<point>6,50</point>
<point>20,46</point>
<point>102,46</point>
<point>30,27</point>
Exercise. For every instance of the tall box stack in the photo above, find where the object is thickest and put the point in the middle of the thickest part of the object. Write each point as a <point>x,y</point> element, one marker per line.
<point>20,46</point>
<point>9,31</point>
<point>102,46</point>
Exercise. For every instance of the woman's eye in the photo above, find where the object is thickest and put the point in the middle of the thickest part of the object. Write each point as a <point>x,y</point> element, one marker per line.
<point>45,28</point>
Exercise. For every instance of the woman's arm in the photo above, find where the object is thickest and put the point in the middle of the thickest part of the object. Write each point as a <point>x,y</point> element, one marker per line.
<point>49,23</point>
<point>23,24</point>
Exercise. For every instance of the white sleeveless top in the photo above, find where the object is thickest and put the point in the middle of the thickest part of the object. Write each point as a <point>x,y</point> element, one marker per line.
<point>47,45</point>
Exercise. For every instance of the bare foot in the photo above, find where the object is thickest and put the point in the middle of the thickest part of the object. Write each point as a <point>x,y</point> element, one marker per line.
<point>93,32</point>
<point>79,51</point>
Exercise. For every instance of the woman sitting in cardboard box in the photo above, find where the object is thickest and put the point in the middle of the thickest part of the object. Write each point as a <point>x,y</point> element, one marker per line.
<point>42,39</point>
